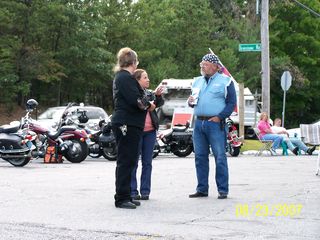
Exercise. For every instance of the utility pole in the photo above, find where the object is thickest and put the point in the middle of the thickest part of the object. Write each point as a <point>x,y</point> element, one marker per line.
<point>241,110</point>
<point>265,63</point>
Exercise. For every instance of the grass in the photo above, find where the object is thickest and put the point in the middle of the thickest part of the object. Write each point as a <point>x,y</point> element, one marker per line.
<point>250,145</point>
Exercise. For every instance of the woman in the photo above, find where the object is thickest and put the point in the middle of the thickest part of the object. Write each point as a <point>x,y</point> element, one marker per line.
<point>130,105</point>
<point>148,139</point>
<point>266,132</point>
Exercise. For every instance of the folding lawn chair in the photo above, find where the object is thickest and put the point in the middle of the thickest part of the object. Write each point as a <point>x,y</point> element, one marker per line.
<point>266,144</point>
<point>310,134</point>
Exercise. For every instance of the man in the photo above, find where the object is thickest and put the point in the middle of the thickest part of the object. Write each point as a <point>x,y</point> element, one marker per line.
<point>213,98</point>
<point>276,128</point>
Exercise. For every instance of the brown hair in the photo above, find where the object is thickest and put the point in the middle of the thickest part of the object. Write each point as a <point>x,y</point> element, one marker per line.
<point>137,73</point>
<point>263,114</point>
<point>125,58</point>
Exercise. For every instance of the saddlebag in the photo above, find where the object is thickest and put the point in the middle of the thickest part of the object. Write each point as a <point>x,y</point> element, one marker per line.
<point>52,155</point>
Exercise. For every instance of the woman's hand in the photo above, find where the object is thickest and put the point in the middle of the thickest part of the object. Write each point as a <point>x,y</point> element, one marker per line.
<point>152,107</point>
<point>159,90</point>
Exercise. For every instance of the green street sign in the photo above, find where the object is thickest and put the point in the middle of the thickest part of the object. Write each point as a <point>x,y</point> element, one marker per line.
<point>251,47</point>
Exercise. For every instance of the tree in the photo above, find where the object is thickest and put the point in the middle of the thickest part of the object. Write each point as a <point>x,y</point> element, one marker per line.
<point>296,39</point>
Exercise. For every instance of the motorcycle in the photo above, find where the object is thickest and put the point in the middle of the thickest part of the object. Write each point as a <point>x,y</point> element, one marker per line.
<point>177,140</point>
<point>69,141</point>
<point>103,142</point>
<point>15,144</point>
<point>233,141</point>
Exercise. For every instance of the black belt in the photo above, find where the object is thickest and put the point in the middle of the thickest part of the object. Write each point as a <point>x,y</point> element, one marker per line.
<point>204,118</point>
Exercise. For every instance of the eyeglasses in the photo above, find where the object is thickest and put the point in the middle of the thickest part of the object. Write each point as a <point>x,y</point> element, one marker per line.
<point>202,64</point>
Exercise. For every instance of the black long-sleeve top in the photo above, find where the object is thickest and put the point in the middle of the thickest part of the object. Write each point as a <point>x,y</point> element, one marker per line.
<point>126,93</point>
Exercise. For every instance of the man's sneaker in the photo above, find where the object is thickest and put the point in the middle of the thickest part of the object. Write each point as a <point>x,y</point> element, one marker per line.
<point>295,151</point>
<point>310,150</point>
<point>222,195</point>
<point>198,194</point>
<point>273,152</point>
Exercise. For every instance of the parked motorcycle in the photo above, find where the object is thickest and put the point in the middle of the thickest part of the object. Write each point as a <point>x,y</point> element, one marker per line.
<point>15,145</point>
<point>69,141</point>
<point>103,142</point>
<point>177,140</point>
<point>233,141</point>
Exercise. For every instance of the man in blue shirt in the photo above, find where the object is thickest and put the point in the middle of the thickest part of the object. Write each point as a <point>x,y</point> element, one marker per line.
<point>214,99</point>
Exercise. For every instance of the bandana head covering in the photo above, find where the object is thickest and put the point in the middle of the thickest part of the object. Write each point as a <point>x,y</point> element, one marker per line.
<point>211,58</point>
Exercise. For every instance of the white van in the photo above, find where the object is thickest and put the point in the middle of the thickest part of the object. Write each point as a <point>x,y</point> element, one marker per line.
<point>177,92</point>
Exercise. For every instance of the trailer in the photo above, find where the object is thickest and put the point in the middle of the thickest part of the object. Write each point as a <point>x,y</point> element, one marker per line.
<point>177,91</point>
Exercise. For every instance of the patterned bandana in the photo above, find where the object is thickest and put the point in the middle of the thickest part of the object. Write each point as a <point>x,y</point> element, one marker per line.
<point>211,58</point>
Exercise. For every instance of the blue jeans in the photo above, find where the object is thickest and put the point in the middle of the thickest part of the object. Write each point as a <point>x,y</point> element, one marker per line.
<point>299,144</point>
<point>208,134</point>
<point>146,150</point>
<point>276,138</point>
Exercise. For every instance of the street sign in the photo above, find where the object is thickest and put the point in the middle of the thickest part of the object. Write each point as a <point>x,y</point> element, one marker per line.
<point>251,47</point>
<point>286,80</point>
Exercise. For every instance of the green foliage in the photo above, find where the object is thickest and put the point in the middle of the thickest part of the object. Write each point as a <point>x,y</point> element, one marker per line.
<point>65,50</point>
<point>295,46</point>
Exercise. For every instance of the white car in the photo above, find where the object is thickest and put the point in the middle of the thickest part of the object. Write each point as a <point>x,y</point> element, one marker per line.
<point>296,132</point>
<point>51,117</point>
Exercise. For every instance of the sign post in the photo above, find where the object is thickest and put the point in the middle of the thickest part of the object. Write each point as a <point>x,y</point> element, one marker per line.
<point>286,80</point>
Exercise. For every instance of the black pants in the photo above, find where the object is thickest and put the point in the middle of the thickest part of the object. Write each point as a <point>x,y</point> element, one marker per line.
<point>128,150</point>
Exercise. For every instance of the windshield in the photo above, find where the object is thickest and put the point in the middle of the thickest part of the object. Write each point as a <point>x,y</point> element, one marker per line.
<point>50,113</point>
<point>177,94</point>
<point>94,113</point>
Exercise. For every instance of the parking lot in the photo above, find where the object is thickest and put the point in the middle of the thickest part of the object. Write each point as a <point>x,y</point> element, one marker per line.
<point>270,198</point>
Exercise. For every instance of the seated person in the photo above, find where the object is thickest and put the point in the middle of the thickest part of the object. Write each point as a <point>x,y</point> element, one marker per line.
<point>276,128</point>
<point>267,134</point>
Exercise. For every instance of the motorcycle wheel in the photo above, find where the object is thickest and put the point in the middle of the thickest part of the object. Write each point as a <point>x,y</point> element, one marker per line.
<point>110,153</point>
<point>83,153</point>
<point>234,151</point>
<point>95,155</point>
<point>156,150</point>
<point>182,151</point>
<point>18,162</point>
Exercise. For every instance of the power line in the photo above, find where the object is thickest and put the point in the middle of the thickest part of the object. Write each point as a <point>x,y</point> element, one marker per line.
<point>305,7</point>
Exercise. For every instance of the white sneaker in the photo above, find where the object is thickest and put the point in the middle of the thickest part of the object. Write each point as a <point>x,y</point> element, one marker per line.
<point>273,152</point>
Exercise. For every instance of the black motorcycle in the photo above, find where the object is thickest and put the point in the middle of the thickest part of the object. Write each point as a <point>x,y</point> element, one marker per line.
<point>16,143</point>
<point>103,142</point>
<point>177,140</point>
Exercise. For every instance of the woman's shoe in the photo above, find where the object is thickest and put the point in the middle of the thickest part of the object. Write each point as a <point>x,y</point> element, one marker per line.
<point>273,152</point>
<point>126,205</point>
<point>136,197</point>
<point>295,151</point>
<point>144,197</point>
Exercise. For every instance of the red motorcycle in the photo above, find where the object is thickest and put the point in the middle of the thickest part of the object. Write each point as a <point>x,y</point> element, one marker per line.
<point>68,141</point>
<point>233,141</point>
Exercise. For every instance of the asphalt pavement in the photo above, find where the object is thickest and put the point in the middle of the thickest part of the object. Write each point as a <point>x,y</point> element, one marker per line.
<point>271,197</point>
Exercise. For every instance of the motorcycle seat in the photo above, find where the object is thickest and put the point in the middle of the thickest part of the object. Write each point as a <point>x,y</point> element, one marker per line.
<point>179,129</point>
<point>55,135</point>
<point>9,128</point>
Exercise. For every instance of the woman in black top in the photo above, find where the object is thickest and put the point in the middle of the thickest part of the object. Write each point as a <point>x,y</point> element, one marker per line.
<point>130,108</point>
